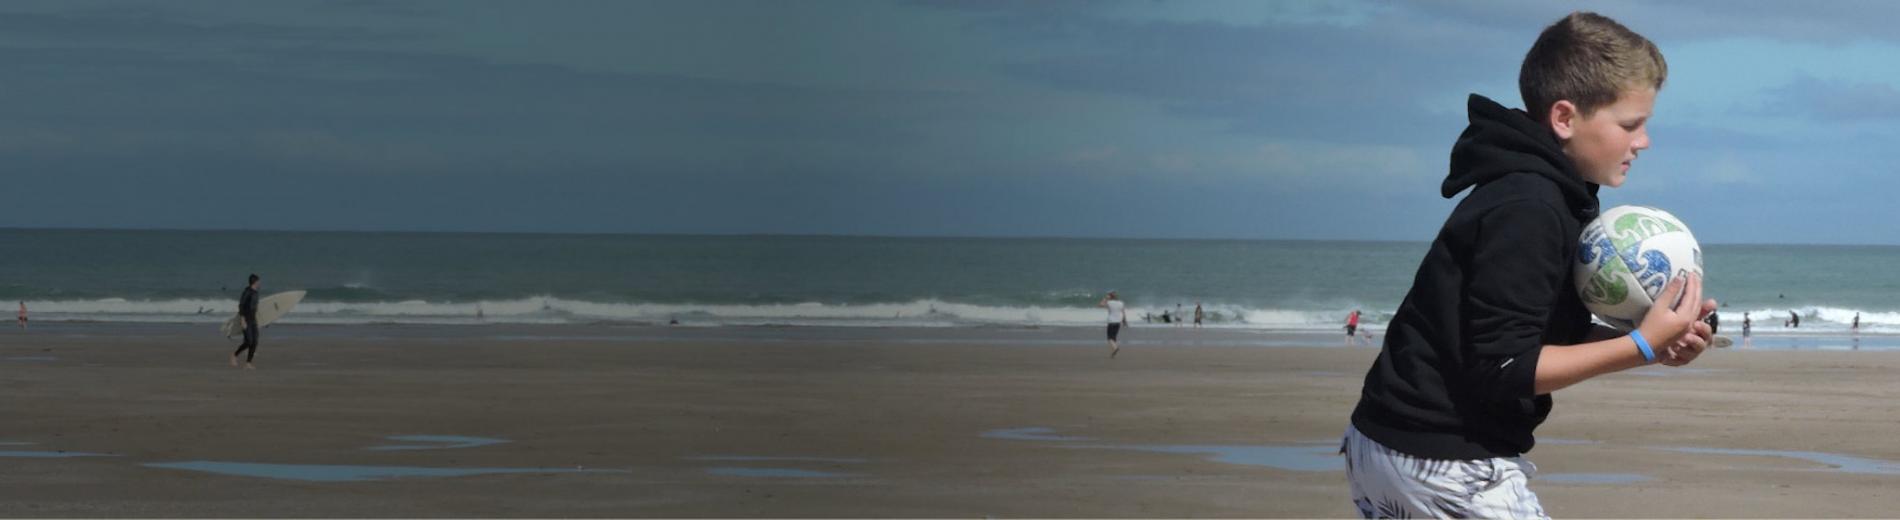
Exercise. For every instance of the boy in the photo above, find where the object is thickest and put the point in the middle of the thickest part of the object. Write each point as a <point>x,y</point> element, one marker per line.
<point>1493,324</point>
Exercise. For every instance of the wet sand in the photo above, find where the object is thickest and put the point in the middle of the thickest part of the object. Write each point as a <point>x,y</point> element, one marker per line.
<point>860,424</point>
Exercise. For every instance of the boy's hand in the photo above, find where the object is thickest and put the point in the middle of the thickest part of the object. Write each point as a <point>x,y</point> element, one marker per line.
<point>1674,325</point>
<point>1680,357</point>
<point>1676,355</point>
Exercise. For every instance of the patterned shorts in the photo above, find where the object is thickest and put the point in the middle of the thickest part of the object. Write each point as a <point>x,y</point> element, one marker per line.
<point>1389,484</point>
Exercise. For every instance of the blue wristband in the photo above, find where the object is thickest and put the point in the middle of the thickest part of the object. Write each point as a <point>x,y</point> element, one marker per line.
<point>1642,345</point>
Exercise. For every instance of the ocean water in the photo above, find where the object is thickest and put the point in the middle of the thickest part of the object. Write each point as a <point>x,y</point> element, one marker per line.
<point>441,278</point>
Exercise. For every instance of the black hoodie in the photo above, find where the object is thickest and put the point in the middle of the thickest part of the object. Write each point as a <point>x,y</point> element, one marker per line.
<point>1456,377</point>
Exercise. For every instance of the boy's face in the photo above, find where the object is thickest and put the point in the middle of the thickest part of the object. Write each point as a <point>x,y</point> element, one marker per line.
<point>1605,142</point>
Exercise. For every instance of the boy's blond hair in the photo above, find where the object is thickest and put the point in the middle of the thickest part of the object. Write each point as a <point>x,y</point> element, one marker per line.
<point>1588,59</point>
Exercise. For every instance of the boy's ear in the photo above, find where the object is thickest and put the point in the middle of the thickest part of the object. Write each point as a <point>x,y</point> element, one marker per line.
<point>1563,119</point>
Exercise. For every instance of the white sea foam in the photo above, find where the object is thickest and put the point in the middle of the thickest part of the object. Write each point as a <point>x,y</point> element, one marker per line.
<point>924,313</point>
<point>1814,319</point>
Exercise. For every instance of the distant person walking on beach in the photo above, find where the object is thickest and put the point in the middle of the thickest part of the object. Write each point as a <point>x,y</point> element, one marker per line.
<point>1352,326</point>
<point>1197,315</point>
<point>1748,326</point>
<point>1117,318</point>
<point>247,316</point>
<point>23,315</point>
<point>1856,323</point>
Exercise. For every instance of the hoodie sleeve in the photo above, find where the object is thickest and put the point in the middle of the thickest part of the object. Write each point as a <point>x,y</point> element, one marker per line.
<point>1518,265</point>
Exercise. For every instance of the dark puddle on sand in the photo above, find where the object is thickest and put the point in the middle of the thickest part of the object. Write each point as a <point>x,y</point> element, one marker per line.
<point>1309,457</point>
<point>747,458</point>
<point>435,442</point>
<point>1835,461</point>
<point>1673,371</point>
<point>42,454</point>
<point>341,473</point>
<point>349,473</point>
<point>731,471</point>
<point>1305,456</point>
<point>1029,434</point>
<point>1592,478</point>
<point>774,473</point>
<point>50,454</point>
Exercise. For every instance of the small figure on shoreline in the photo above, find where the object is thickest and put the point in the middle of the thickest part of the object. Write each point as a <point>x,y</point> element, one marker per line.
<point>247,318</point>
<point>1117,318</point>
<point>1748,326</point>
<point>1352,327</point>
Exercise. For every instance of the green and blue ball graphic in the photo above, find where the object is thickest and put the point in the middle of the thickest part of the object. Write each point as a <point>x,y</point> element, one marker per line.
<point>1628,254</point>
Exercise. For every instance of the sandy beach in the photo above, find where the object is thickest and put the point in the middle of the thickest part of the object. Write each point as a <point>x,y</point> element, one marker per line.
<point>150,421</point>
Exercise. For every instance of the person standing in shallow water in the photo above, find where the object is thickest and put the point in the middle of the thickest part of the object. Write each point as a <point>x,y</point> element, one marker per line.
<point>247,316</point>
<point>22,315</point>
<point>1352,326</point>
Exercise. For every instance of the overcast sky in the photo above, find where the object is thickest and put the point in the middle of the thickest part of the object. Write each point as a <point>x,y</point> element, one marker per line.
<point>1780,122</point>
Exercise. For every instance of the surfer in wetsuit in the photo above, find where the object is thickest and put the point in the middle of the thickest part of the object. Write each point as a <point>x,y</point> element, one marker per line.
<point>247,316</point>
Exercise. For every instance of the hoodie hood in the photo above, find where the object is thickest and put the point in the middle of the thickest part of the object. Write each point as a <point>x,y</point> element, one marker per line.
<point>1504,141</point>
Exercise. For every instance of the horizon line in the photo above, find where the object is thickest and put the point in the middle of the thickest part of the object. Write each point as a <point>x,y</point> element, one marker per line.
<point>824,235</point>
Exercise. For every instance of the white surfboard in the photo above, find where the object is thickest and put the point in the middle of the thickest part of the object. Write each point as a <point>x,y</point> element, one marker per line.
<point>269,308</point>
